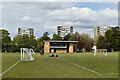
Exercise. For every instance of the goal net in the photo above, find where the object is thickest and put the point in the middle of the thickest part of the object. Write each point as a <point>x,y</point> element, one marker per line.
<point>26,54</point>
<point>101,52</point>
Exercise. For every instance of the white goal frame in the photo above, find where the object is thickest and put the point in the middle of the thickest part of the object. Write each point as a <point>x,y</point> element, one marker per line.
<point>29,53</point>
<point>97,50</point>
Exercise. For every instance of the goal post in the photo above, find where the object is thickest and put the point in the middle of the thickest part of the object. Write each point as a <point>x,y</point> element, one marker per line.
<point>26,54</point>
<point>32,51</point>
<point>101,51</point>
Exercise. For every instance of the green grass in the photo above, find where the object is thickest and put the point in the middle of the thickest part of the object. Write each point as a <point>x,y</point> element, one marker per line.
<point>51,67</point>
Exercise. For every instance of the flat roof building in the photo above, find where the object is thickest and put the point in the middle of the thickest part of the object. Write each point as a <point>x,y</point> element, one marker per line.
<point>64,30</point>
<point>100,30</point>
<point>59,46</point>
<point>22,31</point>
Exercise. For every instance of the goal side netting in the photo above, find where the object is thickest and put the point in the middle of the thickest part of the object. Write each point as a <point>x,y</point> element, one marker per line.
<point>101,52</point>
<point>26,54</point>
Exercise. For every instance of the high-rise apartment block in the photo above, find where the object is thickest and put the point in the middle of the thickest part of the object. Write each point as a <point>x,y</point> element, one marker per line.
<point>22,31</point>
<point>64,30</point>
<point>100,30</point>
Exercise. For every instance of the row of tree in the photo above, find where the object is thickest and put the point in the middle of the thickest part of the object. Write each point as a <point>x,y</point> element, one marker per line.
<point>19,41</point>
<point>110,41</point>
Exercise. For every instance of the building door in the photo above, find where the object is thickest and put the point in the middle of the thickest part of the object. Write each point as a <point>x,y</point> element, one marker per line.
<point>67,47</point>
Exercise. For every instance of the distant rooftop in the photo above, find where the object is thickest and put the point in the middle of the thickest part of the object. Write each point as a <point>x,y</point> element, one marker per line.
<point>61,41</point>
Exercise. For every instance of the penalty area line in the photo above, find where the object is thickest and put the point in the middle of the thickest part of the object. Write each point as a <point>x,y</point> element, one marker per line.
<point>85,68</point>
<point>9,68</point>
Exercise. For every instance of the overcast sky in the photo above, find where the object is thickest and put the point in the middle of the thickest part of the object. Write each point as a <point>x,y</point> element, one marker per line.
<point>46,16</point>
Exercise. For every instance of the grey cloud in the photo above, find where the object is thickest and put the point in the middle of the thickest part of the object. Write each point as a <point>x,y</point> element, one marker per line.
<point>45,5</point>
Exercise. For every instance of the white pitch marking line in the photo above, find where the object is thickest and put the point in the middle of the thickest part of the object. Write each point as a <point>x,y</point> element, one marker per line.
<point>9,68</point>
<point>86,68</point>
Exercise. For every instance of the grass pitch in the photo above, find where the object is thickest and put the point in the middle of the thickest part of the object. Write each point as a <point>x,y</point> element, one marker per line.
<point>67,65</point>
